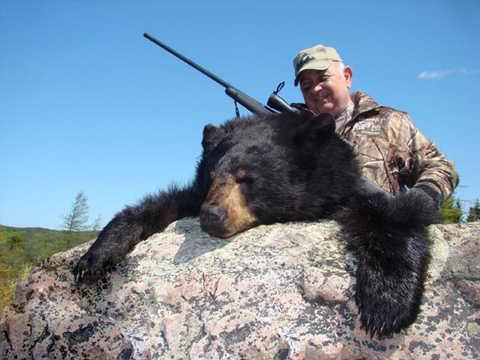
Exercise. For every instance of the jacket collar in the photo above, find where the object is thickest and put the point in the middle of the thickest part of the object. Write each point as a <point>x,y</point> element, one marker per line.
<point>363,103</point>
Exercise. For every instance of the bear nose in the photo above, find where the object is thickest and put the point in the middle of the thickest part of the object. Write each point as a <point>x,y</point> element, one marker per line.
<point>210,215</point>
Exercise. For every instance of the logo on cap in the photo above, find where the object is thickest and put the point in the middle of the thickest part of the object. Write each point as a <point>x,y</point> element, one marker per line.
<point>305,58</point>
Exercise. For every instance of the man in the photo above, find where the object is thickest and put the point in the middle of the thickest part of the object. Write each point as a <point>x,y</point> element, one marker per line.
<point>391,151</point>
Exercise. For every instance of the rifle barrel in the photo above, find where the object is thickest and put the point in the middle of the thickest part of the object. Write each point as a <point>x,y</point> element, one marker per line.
<point>188,61</point>
<point>248,102</point>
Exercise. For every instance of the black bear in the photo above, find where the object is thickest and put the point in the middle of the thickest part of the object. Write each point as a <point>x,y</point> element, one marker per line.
<point>282,168</point>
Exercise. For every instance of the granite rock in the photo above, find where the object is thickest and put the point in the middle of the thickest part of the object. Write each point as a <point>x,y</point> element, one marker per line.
<point>274,292</point>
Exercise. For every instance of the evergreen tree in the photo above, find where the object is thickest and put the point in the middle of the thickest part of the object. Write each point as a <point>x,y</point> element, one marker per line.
<point>97,223</point>
<point>451,211</point>
<point>77,218</point>
<point>474,212</point>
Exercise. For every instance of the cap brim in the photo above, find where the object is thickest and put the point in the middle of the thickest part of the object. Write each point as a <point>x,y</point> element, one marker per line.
<point>319,65</point>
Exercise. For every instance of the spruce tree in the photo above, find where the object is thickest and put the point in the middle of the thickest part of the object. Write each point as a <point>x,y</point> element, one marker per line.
<point>474,212</point>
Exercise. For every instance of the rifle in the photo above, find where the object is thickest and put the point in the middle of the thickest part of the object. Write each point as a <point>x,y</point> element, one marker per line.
<point>275,102</point>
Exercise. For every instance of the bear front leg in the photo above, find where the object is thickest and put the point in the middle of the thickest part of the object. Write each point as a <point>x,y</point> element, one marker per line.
<point>131,226</point>
<point>389,238</point>
<point>114,242</point>
<point>390,284</point>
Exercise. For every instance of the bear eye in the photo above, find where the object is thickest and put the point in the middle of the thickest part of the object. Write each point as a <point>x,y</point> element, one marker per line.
<point>243,178</point>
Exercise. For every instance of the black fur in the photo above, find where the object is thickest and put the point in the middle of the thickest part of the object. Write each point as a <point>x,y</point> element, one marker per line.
<point>294,167</point>
<point>388,235</point>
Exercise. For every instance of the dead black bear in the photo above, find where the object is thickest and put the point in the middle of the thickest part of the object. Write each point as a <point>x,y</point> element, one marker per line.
<point>281,168</point>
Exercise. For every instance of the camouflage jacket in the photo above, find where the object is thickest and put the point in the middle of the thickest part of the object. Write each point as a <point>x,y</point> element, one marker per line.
<point>392,152</point>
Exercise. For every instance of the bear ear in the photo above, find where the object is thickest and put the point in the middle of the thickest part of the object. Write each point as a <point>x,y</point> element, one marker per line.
<point>211,137</point>
<point>318,129</point>
<point>321,127</point>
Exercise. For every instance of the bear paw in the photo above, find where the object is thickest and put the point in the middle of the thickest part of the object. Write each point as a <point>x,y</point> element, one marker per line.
<point>386,307</point>
<point>90,268</point>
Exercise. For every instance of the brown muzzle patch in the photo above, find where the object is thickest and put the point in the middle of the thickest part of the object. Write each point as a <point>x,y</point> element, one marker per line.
<point>225,212</point>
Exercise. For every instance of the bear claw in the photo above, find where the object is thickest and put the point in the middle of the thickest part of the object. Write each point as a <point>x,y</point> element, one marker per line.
<point>88,271</point>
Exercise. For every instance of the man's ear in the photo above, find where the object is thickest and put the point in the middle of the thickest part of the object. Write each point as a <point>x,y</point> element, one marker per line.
<point>211,137</point>
<point>348,73</point>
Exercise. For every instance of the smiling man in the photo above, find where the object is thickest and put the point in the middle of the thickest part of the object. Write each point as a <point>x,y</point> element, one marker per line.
<point>390,149</point>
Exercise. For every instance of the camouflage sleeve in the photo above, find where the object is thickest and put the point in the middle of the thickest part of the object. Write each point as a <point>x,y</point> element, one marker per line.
<point>421,163</point>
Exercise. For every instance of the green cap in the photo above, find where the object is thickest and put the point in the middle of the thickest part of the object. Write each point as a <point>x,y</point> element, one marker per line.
<point>318,57</point>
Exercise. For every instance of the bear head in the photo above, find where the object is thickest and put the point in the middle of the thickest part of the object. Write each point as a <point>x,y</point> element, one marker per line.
<point>267,169</point>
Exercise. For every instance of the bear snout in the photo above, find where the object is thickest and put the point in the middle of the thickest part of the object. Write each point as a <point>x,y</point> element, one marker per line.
<point>212,219</point>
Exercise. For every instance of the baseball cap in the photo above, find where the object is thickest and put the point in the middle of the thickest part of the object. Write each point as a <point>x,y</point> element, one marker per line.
<point>319,57</point>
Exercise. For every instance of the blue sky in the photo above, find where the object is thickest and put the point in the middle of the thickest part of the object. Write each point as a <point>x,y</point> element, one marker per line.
<point>88,104</point>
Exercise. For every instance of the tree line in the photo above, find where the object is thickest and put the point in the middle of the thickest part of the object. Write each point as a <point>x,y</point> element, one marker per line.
<point>451,212</point>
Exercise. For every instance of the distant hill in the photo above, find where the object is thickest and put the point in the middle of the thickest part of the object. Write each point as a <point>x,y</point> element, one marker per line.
<point>34,233</point>
<point>22,248</point>
<point>28,229</point>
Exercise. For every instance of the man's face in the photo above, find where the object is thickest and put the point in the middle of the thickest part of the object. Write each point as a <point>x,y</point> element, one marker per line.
<point>327,91</point>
